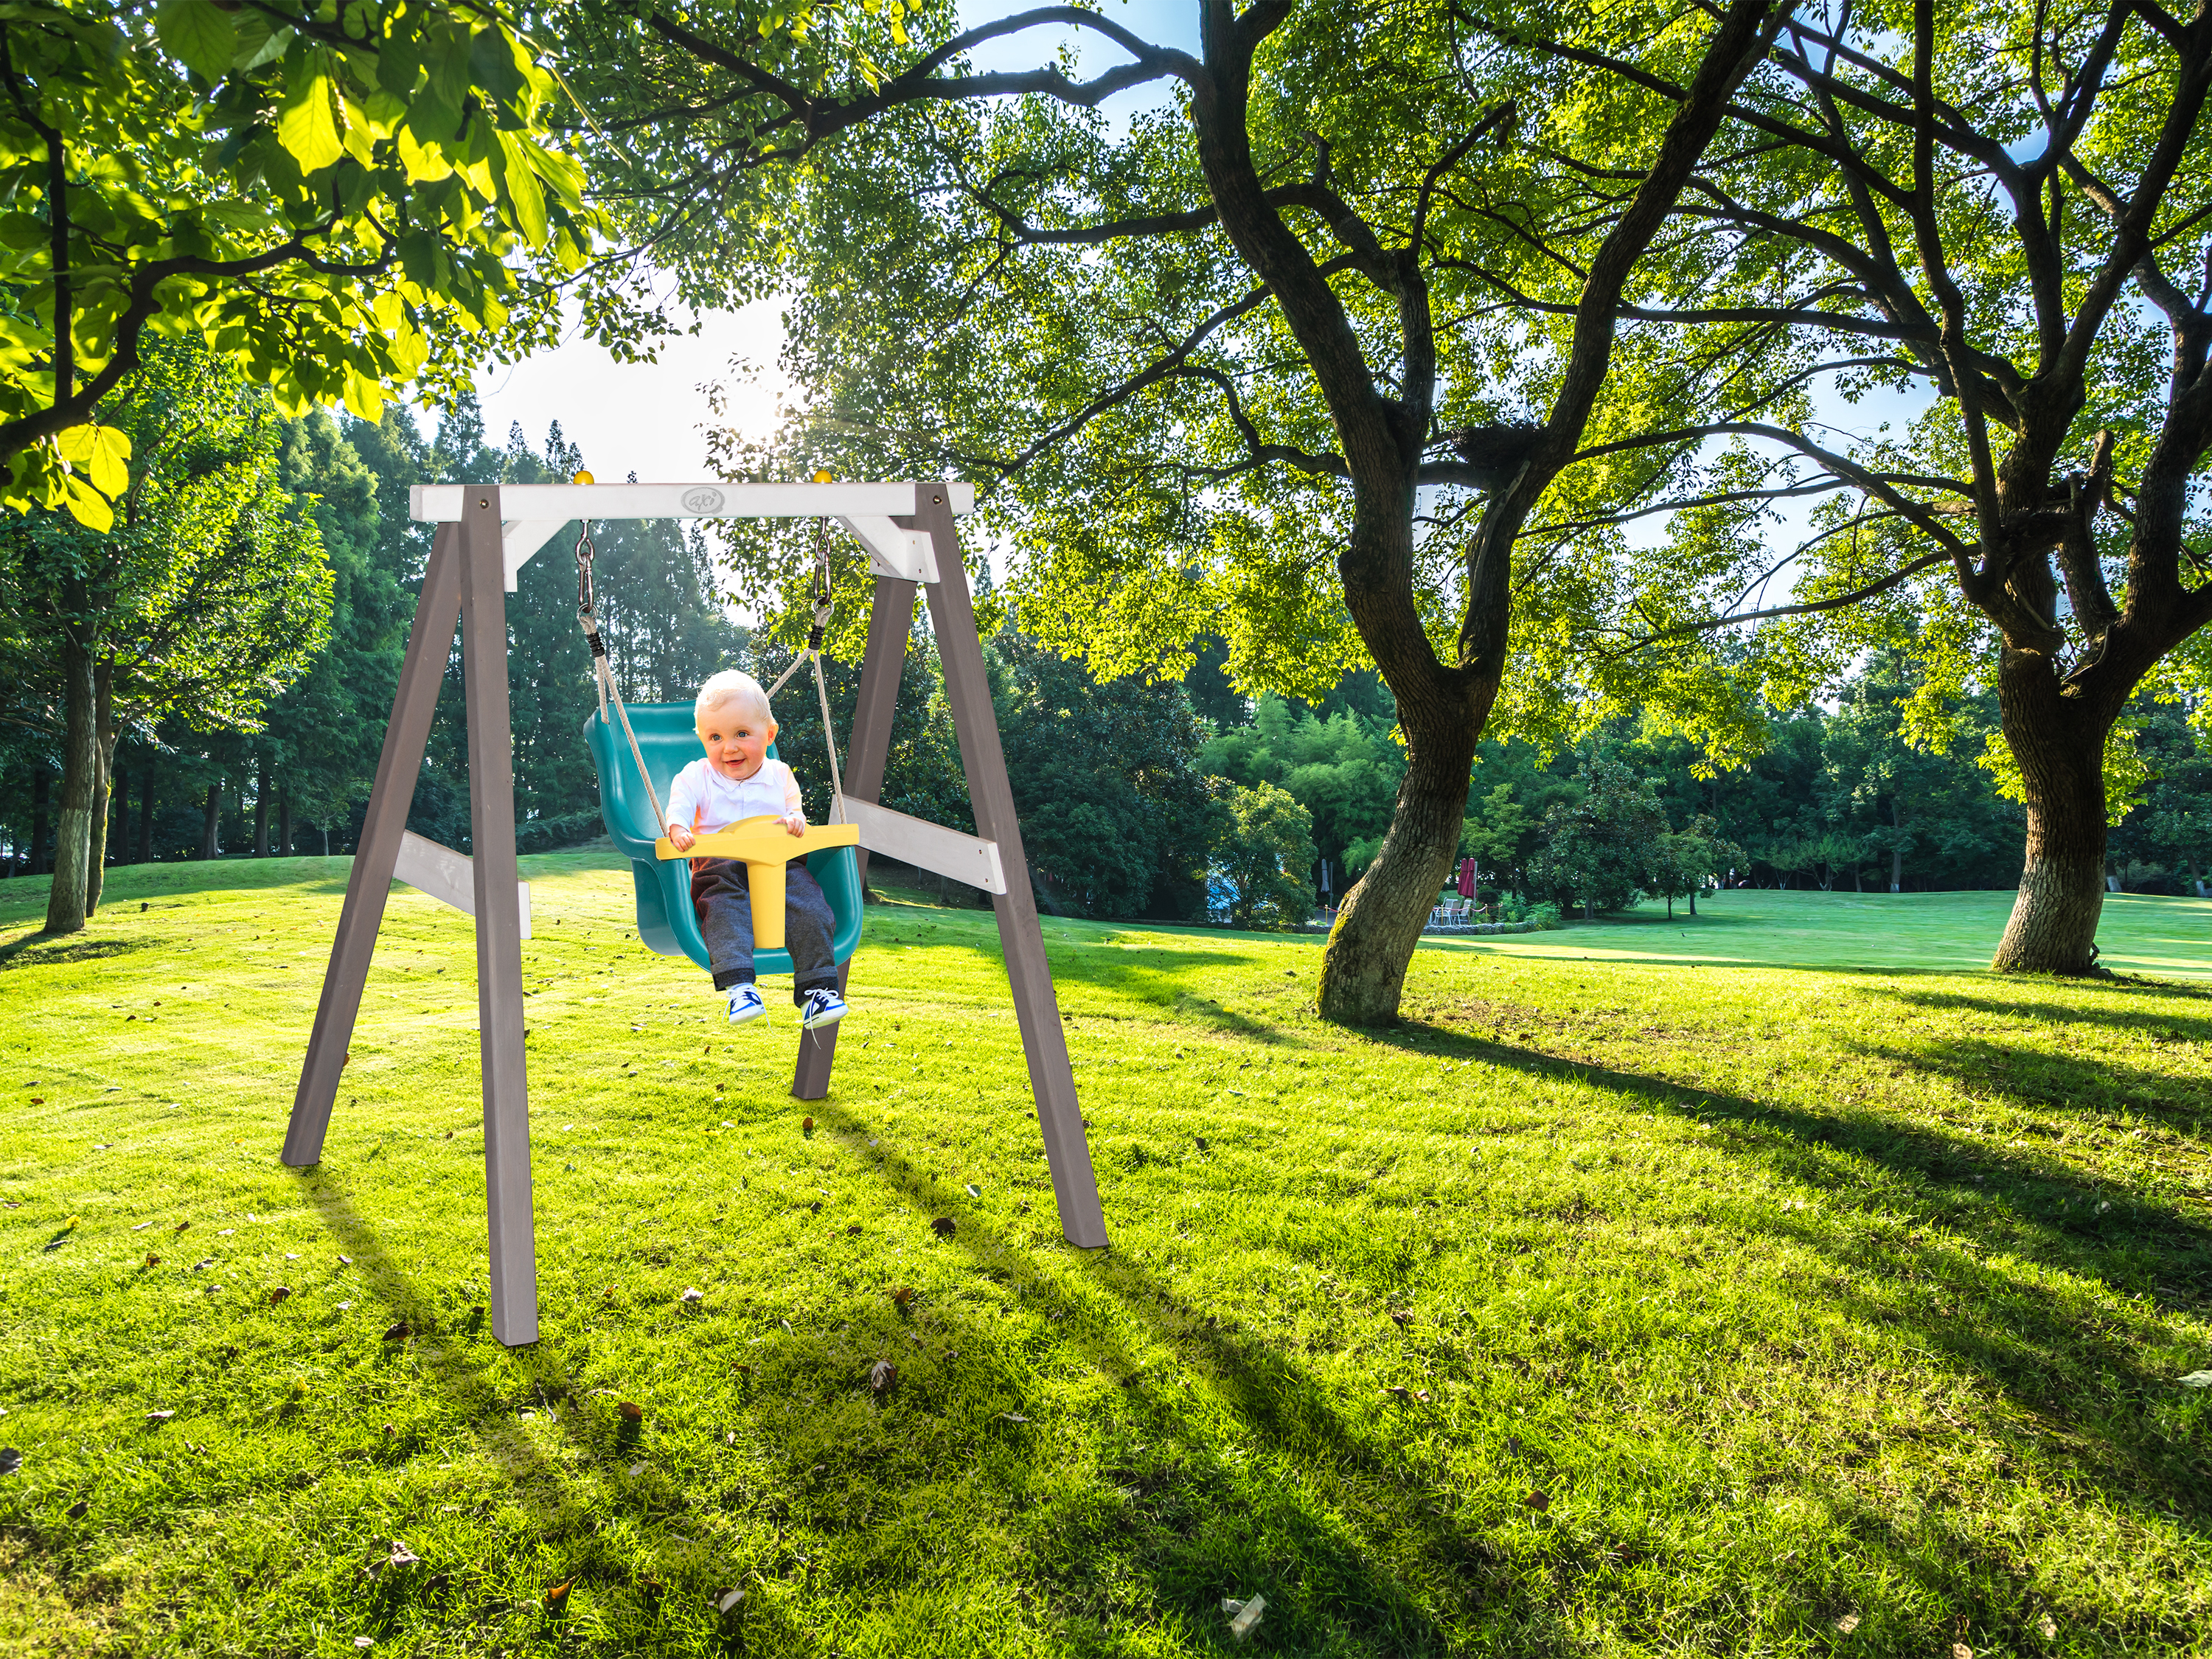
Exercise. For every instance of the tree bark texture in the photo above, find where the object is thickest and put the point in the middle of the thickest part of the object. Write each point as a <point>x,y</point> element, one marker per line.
<point>284,825</point>
<point>2060,746</point>
<point>66,900</point>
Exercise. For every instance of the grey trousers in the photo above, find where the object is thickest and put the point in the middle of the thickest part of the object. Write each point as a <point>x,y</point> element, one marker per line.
<point>722,900</point>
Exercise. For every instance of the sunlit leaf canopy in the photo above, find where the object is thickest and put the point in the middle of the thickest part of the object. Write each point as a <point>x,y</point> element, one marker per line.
<point>1918,349</point>
<point>340,199</point>
<point>994,277</point>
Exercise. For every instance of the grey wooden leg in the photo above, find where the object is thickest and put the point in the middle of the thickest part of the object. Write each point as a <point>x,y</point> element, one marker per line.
<point>968,690</point>
<point>499,921</point>
<point>890,619</point>
<point>422,671</point>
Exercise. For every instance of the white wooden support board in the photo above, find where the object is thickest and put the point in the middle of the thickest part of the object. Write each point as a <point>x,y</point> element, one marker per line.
<point>446,876</point>
<point>925,845</point>
<point>534,513</point>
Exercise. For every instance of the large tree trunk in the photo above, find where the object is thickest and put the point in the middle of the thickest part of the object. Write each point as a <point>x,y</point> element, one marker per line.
<point>2060,746</point>
<point>1363,966</point>
<point>211,821</point>
<point>66,900</point>
<point>284,825</point>
<point>103,783</point>
<point>261,811</point>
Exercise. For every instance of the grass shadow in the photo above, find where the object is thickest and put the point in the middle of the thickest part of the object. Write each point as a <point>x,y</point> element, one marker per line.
<point>2026,1205</point>
<point>1321,1573</point>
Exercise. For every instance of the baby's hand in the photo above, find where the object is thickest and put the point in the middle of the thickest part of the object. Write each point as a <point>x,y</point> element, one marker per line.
<point>681,837</point>
<point>795,823</point>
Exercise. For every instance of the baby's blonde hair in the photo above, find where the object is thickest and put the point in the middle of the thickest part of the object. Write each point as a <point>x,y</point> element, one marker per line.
<point>731,686</point>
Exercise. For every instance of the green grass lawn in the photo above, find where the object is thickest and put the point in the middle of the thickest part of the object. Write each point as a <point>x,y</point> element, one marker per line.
<point>1610,1306</point>
<point>1954,932</point>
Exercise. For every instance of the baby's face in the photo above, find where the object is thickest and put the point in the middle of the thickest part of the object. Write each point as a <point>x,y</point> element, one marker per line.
<point>736,740</point>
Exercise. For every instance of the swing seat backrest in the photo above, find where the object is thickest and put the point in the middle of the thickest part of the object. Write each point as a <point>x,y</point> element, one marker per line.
<point>665,920</point>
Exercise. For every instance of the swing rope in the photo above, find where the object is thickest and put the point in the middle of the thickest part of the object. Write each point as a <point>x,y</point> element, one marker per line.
<point>587,615</point>
<point>603,670</point>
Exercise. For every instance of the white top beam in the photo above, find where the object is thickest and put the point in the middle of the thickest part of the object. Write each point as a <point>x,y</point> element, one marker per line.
<point>443,503</point>
<point>534,513</point>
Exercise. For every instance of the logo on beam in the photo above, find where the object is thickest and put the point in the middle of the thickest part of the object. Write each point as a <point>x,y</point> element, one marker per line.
<point>703,501</point>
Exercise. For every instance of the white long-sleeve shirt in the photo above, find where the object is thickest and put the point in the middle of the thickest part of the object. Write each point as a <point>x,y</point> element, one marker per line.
<point>702,799</point>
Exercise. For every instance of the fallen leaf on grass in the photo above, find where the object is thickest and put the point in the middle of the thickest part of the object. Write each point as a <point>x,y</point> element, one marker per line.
<point>943,1226</point>
<point>278,1293</point>
<point>180,1226</point>
<point>728,1601</point>
<point>901,1295</point>
<point>152,1261</point>
<point>77,1511</point>
<point>1960,1651</point>
<point>974,1191</point>
<point>2048,1628</point>
<point>1244,1616</point>
<point>141,1226</point>
<point>631,1411</point>
<point>806,1126</point>
<point>400,1332</point>
<point>1400,1319</point>
<point>1399,1392</point>
<point>71,1224</point>
<point>2198,1379</point>
<point>557,1597</point>
<point>854,1228</point>
<point>883,1378</point>
<point>345,1261</point>
<point>1848,1623</point>
<point>694,1295</point>
<point>160,1417</point>
<point>1013,1417</point>
<point>1538,1501</point>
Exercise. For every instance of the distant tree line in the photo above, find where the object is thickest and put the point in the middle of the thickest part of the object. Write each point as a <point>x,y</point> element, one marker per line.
<point>247,615</point>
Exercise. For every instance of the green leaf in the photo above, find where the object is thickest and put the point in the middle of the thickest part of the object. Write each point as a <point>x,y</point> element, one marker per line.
<point>524,192</point>
<point>308,127</point>
<point>199,34</point>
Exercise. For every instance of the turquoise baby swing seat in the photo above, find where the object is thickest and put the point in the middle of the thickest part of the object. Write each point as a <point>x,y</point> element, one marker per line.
<point>665,920</point>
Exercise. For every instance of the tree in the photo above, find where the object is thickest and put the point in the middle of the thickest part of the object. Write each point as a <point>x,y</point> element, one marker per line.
<point>1685,860</point>
<point>1265,853</point>
<point>1601,850</point>
<point>1343,769</point>
<point>1197,354</point>
<point>1997,210</point>
<point>328,197</point>
<point>202,602</point>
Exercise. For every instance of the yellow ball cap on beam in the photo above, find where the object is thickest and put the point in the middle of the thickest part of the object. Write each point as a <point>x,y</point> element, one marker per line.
<point>584,478</point>
<point>823,475</point>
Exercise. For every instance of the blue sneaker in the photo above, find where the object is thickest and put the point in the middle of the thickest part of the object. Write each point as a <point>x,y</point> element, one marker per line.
<point>823,1007</point>
<point>745,1004</point>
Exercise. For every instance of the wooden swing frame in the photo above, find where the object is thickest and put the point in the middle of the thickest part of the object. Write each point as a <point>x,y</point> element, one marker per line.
<point>485,534</point>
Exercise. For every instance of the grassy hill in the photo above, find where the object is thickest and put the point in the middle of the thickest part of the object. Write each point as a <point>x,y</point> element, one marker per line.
<point>1637,1304</point>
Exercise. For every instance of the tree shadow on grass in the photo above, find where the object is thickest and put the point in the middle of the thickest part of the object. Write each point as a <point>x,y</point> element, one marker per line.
<point>1211,1520</point>
<point>2011,1202</point>
<point>2020,998</point>
<point>563,1519</point>
<point>43,950</point>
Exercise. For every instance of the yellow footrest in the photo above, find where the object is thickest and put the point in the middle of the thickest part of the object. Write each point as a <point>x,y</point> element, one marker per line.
<point>764,847</point>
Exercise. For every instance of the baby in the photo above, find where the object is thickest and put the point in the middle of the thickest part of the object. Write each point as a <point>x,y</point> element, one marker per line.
<point>737,780</point>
